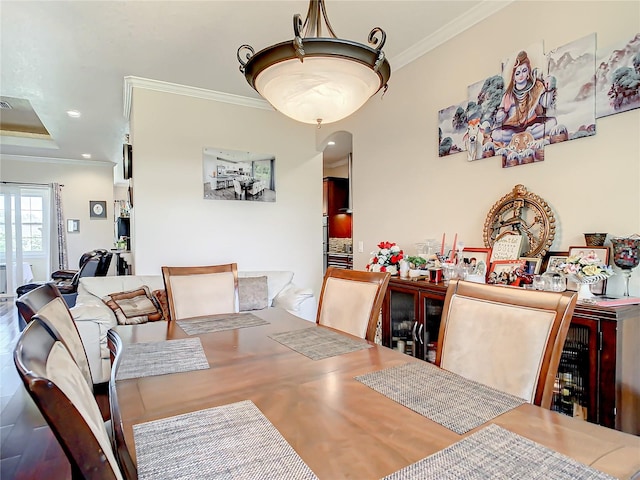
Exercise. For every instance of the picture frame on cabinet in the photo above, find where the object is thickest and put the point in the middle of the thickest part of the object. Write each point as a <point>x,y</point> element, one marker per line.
<point>478,258</point>
<point>532,265</point>
<point>603,254</point>
<point>552,261</point>
<point>505,272</point>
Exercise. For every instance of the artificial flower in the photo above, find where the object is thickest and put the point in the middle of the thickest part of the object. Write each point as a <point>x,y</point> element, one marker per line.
<point>386,258</point>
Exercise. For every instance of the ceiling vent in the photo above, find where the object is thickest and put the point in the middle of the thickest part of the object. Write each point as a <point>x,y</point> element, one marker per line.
<point>5,105</point>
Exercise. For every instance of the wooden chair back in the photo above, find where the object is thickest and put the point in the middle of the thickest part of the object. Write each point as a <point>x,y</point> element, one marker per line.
<point>58,388</point>
<point>199,291</point>
<point>30,302</point>
<point>47,302</point>
<point>350,301</point>
<point>507,338</point>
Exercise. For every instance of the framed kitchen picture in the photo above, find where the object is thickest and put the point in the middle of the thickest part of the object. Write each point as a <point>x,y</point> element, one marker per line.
<point>506,272</point>
<point>532,265</point>
<point>581,251</point>
<point>478,258</point>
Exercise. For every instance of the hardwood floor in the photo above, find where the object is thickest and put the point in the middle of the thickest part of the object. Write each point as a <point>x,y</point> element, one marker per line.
<point>28,448</point>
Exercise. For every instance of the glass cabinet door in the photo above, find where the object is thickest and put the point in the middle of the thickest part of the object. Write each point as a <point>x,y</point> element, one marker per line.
<point>428,333</point>
<point>574,389</point>
<point>403,321</point>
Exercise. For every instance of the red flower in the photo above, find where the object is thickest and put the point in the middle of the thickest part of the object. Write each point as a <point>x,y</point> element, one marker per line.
<point>374,260</point>
<point>383,269</point>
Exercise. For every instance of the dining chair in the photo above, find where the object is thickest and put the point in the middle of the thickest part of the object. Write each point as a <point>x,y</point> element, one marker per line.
<point>199,291</point>
<point>47,303</point>
<point>351,300</point>
<point>30,302</point>
<point>508,338</point>
<point>58,388</point>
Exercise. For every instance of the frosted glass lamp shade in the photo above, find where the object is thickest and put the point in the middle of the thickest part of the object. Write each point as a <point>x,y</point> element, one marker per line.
<point>320,89</point>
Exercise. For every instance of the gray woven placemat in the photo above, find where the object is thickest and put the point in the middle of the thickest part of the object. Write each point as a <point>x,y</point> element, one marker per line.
<point>444,397</point>
<point>160,358</point>
<point>218,323</point>
<point>234,441</point>
<point>318,343</point>
<point>496,453</point>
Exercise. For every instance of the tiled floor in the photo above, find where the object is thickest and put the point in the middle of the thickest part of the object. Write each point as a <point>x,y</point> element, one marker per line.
<point>28,448</point>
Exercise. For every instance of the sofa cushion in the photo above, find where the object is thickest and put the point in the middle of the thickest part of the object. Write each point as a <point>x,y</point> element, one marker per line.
<point>134,307</point>
<point>253,293</point>
<point>160,297</point>
<point>276,281</point>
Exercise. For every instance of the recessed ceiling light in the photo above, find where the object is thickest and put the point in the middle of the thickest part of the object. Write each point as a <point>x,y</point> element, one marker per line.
<point>86,155</point>
<point>74,113</point>
<point>331,143</point>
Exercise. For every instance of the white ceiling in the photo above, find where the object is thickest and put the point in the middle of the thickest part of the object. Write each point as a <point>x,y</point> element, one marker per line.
<point>75,54</point>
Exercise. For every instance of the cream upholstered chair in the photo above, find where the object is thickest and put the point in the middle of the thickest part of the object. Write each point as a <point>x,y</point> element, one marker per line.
<point>507,338</point>
<point>47,303</point>
<point>351,300</point>
<point>237,188</point>
<point>199,291</point>
<point>58,388</point>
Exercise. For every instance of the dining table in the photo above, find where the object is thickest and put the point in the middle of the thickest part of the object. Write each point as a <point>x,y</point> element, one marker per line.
<point>322,404</point>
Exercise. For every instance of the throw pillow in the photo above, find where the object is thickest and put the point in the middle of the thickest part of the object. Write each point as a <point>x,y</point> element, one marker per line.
<point>134,307</point>
<point>160,297</point>
<point>253,293</point>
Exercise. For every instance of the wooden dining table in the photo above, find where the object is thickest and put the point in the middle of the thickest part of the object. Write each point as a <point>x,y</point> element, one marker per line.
<point>338,426</point>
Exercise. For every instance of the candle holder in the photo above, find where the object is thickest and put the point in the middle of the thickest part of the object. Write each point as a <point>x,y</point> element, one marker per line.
<point>626,256</point>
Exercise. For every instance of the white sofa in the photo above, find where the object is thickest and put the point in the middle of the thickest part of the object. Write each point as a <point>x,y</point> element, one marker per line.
<point>94,318</point>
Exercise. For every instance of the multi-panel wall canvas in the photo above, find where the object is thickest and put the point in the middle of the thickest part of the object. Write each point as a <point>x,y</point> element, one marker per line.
<point>541,99</point>
<point>618,78</point>
<point>238,175</point>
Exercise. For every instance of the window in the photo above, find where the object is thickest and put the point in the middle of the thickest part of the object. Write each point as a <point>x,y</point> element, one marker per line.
<point>30,206</point>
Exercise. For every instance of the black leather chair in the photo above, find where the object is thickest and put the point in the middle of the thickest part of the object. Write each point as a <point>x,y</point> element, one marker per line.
<point>92,264</point>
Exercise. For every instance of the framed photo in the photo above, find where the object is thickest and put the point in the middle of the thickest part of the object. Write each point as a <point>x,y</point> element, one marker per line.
<point>477,258</point>
<point>552,261</point>
<point>532,265</point>
<point>97,209</point>
<point>505,272</point>
<point>603,254</point>
<point>73,226</point>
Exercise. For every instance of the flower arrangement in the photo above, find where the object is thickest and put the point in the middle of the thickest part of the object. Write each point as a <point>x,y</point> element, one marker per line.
<point>586,268</point>
<point>386,258</point>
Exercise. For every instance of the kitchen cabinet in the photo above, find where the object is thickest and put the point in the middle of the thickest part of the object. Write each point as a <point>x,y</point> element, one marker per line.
<point>599,373</point>
<point>336,197</point>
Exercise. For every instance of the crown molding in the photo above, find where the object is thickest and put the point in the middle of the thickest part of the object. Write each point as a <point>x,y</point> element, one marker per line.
<point>166,87</point>
<point>473,16</point>
<point>53,160</point>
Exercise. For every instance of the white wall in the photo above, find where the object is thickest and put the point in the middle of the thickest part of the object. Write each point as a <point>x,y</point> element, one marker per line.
<point>83,182</point>
<point>174,225</point>
<point>402,190</point>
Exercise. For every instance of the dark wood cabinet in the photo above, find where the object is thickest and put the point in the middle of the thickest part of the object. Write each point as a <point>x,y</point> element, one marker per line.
<point>336,197</point>
<point>599,373</point>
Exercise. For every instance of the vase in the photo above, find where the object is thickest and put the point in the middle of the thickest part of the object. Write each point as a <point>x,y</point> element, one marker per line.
<point>584,286</point>
<point>584,292</point>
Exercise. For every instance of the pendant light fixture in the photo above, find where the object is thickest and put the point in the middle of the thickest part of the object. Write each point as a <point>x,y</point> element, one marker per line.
<point>315,79</point>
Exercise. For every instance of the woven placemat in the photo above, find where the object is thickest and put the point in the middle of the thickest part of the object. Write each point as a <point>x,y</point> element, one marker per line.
<point>319,343</point>
<point>444,397</point>
<point>234,441</point>
<point>160,358</point>
<point>218,323</point>
<point>496,453</point>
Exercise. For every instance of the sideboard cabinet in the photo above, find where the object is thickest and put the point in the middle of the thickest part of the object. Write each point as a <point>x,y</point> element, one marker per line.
<point>599,373</point>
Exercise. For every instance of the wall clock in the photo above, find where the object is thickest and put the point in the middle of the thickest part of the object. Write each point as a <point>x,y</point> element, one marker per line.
<point>97,209</point>
<point>524,213</point>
